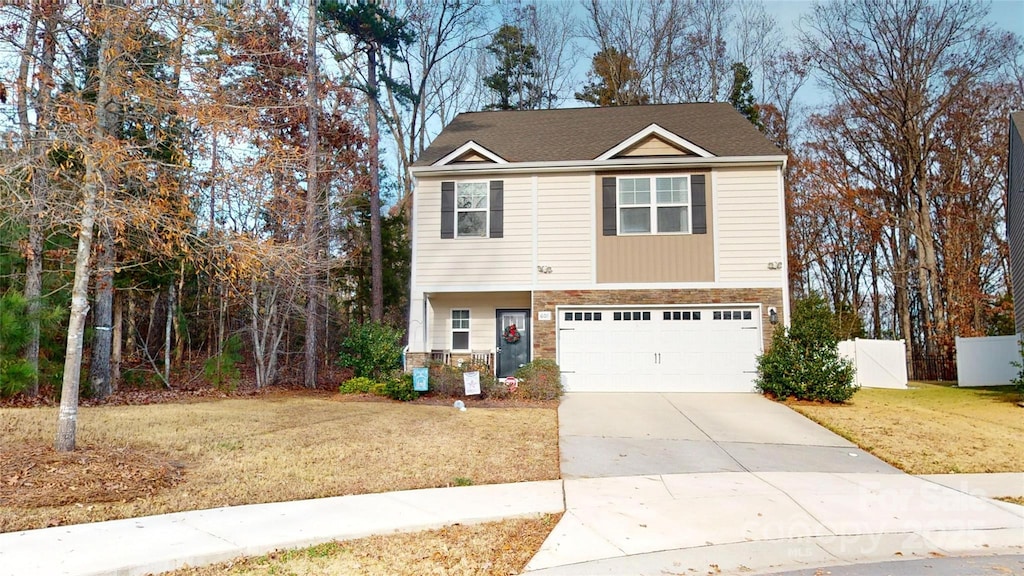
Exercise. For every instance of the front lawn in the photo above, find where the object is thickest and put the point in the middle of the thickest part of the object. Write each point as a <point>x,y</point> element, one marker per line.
<point>154,459</point>
<point>931,428</point>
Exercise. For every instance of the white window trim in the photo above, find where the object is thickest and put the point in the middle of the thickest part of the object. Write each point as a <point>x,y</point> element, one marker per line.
<point>653,205</point>
<point>486,209</point>
<point>452,329</point>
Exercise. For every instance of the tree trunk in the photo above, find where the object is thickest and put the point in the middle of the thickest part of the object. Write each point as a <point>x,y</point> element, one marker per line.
<point>171,303</point>
<point>222,312</point>
<point>99,366</point>
<point>376,248</point>
<point>133,329</point>
<point>67,419</point>
<point>33,252</point>
<point>312,204</point>
<point>902,259</point>
<point>118,338</point>
<point>179,338</point>
<point>876,314</point>
<point>151,327</point>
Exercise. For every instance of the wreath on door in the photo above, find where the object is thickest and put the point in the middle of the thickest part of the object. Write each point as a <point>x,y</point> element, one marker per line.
<point>511,335</point>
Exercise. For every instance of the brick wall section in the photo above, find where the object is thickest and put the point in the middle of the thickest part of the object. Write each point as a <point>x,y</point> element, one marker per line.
<point>414,359</point>
<point>544,336</point>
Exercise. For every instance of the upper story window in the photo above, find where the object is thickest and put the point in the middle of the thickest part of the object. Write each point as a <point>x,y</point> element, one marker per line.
<point>471,208</point>
<point>665,211</point>
<point>658,204</point>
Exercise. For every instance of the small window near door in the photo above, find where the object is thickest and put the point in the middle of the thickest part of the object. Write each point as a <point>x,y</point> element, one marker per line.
<point>460,329</point>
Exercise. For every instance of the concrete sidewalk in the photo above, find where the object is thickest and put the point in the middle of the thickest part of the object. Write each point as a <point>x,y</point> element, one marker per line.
<point>155,544</point>
<point>749,522</point>
<point>740,522</point>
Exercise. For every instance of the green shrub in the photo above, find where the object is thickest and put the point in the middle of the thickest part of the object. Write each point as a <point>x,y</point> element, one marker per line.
<point>399,387</point>
<point>372,350</point>
<point>803,361</point>
<point>15,332</point>
<point>445,381</point>
<point>540,380</point>
<point>221,370</point>
<point>357,385</point>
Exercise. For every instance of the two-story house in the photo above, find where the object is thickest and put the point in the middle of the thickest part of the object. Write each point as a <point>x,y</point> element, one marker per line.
<point>643,248</point>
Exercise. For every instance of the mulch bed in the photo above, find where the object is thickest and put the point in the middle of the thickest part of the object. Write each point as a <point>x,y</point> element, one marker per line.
<point>34,476</point>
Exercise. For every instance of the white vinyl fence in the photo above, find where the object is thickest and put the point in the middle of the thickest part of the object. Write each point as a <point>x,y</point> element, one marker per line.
<point>985,361</point>
<point>879,363</point>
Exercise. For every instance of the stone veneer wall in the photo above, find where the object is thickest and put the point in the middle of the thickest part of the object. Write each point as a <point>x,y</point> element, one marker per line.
<point>544,333</point>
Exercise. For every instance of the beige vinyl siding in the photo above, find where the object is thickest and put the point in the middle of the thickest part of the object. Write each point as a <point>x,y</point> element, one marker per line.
<point>565,227</point>
<point>461,261</point>
<point>749,224</point>
<point>481,306</point>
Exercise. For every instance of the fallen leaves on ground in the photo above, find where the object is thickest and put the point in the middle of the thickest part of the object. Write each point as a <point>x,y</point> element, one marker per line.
<point>33,476</point>
<point>495,548</point>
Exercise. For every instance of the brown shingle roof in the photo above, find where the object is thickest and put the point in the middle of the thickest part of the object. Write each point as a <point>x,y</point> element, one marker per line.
<point>586,133</point>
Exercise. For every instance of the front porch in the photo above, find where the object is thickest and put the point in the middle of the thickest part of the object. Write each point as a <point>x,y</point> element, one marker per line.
<point>492,328</point>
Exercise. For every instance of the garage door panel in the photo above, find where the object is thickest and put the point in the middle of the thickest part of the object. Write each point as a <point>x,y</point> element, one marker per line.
<point>660,350</point>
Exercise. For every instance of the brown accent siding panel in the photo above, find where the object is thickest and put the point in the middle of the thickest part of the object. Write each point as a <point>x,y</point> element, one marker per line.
<point>653,146</point>
<point>447,209</point>
<point>656,258</point>
<point>473,158</point>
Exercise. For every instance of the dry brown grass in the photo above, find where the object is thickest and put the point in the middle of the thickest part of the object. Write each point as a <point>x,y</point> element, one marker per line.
<point>495,548</point>
<point>243,451</point>
<point>932,429</point>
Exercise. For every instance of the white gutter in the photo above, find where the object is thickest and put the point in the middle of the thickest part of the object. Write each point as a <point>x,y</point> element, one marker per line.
<point>590,165</point>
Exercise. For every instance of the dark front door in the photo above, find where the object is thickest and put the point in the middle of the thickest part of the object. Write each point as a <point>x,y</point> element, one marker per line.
<point>513,352</point>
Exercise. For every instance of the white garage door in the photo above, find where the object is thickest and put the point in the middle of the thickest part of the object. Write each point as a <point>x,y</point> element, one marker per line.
<point>682,349</point>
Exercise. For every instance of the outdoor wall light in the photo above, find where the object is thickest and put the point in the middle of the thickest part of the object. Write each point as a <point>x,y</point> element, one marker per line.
<point>773,315</point>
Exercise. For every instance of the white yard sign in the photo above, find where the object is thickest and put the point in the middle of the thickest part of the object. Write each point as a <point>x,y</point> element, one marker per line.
<point>472,382</point>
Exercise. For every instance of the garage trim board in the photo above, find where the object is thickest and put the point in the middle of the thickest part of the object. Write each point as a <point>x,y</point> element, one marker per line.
<point>661,348</point>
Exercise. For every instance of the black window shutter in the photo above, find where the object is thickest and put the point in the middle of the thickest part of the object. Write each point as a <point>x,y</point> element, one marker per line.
<point>698,200</point>
<point>497,209</point>
<point>447,209</point>
<point>608,215</point>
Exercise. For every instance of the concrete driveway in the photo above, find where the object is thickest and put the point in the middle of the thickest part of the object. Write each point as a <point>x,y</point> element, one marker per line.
<point>661,484</point>
<point>609,434</point>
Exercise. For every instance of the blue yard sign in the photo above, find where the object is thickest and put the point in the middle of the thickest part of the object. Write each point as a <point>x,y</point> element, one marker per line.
<point>419,379</point>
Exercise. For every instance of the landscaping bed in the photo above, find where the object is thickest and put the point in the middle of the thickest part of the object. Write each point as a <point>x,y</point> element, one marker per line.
<point>931,428</point>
